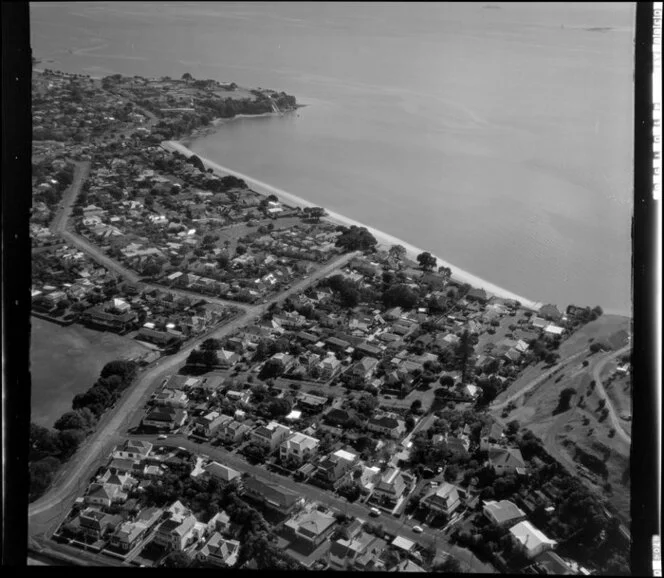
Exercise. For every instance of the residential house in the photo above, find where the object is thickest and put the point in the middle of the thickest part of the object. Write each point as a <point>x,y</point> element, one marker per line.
<point>129,535</point>
<point>369,477</point>
<point>287,361</point>
<point>506,460</point>
<point>444,499</point>
<point>407,565</point>
<point>538,322</point>
<point>390,488</point>
<point>156,337</point>
<point>363,369</point>
<point>133,450</point>
<point>171,398</point>
<point>181,382</point>
<point>240,396</point>
<point>96,525</point>
<point>177,511</point>
<point>227,359</point>
<point>221,472</point>
<point>219,552</point>
<point>393,314</point>
<point>165,418</point>
<point>503,513</point>
<point>270,436</point>
<point>387,425</point>
<point>369,350</point>
<point>220,522</point>
<point>300,447</point>
<point>210,423</point>
<point>339,417</point>
<point>122,466</point>
<point>335,466</point>
<point>550,563</point>
<point>550,312</point>
<point>105,494</point>
<point>311,403</point>
<point>271,495</point>
<point>311,527</point>
<point>176,535</point>
<point>329,366</point>
<point>531,540</point>
<point>306,338</point>
<point>116,321</point>
<point>492,436</point>
<point>344,552</point>
<point>477,295</point>
<point>234,432</point>
<point>337,344</point>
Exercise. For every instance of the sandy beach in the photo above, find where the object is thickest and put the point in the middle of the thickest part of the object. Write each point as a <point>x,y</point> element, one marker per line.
<point>385,240</point>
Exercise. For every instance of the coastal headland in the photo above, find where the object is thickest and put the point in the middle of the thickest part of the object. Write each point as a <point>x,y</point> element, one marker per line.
<point>385,240</point>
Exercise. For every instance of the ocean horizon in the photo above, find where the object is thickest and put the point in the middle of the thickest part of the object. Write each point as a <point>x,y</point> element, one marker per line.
<point>499,139</point>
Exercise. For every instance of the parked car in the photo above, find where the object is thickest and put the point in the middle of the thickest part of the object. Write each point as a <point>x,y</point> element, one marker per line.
<point>375,512</point>
<point>162,437</point>
<point>418,529</point>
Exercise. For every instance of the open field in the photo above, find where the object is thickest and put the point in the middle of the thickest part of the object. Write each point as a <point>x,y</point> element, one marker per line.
<point>65,361</point>
<point>233,233</point>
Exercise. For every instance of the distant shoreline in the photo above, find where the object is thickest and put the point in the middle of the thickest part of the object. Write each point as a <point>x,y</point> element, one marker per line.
<point>385,240</point>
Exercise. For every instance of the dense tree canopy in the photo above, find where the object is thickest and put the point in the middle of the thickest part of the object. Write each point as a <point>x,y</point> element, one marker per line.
<point>356,238</point>
<point>401,296</point>
<point>427,261</point>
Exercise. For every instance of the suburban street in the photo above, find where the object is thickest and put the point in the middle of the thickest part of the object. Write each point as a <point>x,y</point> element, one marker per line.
<point>81,172</point>
<point>391,525</point>
<point>105,437</point>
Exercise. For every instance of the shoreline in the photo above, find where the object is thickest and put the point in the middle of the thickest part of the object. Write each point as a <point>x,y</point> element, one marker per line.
<point>216,122</point>
<point>385,240</point>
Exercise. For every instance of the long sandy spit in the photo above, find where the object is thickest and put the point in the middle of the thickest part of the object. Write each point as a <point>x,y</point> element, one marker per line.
<point>385,240</point>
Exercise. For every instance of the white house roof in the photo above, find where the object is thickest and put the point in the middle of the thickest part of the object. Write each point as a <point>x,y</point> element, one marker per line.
<point>343,454</point>
<point>529,536</point>
<point>403,543</point>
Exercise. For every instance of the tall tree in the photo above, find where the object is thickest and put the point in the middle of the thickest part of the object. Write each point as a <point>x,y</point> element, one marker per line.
<point>397,252</point>
<point>427,261</point>
<point>464,351</point>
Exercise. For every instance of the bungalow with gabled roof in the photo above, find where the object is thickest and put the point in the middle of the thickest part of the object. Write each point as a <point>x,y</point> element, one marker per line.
<point>312,527</point>
<point>443,499</point>
<point>506,460</point>
<point>390,488</point>
<point>271,495</point>
<point>531,540</point>
<point>386,425</point>
<point>219,552</point>
<point>503,512</point>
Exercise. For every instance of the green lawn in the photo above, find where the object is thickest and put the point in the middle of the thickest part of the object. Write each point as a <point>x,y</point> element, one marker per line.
<point>65,361</point>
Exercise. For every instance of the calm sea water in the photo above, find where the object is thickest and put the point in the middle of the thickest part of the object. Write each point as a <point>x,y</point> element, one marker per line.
<point>498,136</point>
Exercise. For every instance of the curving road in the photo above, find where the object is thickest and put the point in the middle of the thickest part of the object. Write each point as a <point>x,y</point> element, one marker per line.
<point>83,462</point>
<point>599,387</point>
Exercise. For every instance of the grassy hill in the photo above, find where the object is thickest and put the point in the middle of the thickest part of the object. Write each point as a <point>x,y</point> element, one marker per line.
<point>578,433</point>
